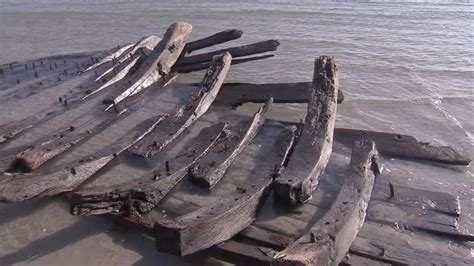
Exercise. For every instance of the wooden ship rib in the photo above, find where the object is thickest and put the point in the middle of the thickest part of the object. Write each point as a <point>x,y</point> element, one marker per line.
<point>118,135</point>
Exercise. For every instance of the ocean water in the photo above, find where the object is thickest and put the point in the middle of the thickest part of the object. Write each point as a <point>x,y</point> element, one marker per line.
<point>406,67</point>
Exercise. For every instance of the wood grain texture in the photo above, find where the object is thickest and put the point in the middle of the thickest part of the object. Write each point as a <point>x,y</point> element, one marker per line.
<point>218,222</point>
<point>402,146</point>
<point>329,239</point>
<point>314,146</point>
<point>159,62</point>
<point>138,197</point>
<point>211,169</point>
<point>20,187</point>
<point>186,115</point>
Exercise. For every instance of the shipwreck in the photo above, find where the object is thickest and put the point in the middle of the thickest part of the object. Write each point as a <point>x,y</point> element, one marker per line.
<point>119,135</point>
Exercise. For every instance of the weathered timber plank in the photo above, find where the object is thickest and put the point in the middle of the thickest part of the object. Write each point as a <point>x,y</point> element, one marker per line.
<point>136,198</point>
<point>329,238</point>
<point>16,188</point>
<point>402,146</point>
<point>400,255</point>
<point>414,218</point>
<point>418,198</point>
<point>236,94</point>
<point>209,170</point>
<point>199,103</point>
<point>239,51</point>
<point>215,39</point>
<point>202,66</point>
<point>159,62</point>
<point>219,222</point>
<point>314,146</point>
<point>241,254</point>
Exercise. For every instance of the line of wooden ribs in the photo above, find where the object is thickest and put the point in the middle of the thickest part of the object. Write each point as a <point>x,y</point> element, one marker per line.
<point>291,171</point>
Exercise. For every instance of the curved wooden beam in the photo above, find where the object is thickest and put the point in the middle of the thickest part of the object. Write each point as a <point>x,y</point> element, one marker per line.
<point>199,103</point>
<point>21,187</point>
<point>314,146</point>
<point>159,62</point>
<point>214,224</point>
<point>329,240</point>
<point>207,171</point>
<point>140,196</point>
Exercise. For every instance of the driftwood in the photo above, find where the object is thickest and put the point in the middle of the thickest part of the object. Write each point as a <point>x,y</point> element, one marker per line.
<point>199,103</point>
<point>136,198</point>
<point>314,145</point>
<point>218,38</point>
<point>240,51</point>
<point>402,146</point>
<point>209,170</point>
<point>221,221</point>
<point>236,94</point>
<point>20,187</point>
<point>330,238</point>
<point>159,62</point>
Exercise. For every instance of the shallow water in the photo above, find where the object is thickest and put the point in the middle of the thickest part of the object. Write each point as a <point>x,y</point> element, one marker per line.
<point>405,68</point>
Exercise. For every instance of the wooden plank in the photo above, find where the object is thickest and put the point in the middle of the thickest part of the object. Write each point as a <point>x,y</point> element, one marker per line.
<point>207,172</point>
<point>138,197</point>
<point>241,254</point>
<point>402,146</point>
<point>421,199</point>
<point>314,146</point>
<point>201,66</point>
<point>219,222</point>
<point>236,94</point>
<point>239,51</point>
<point>382,250</point>
<point>20,187</point>
<point>159,62</point>
<point>215,39</point>
<point>413,218</point>
<point>29,157</point>
<point>330,237</point>
<point>199,103</point>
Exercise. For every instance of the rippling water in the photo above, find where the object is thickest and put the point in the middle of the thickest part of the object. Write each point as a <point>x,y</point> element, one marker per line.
<point>406,67</point>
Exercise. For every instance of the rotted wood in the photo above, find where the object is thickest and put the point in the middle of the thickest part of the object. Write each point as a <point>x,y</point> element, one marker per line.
<point>417,198</point>
<point>216,223</point>
<point>20,187</point>
<point>199,103</point>
<point>125,63</point>
<point>380,249</point>
<point>31,156</point>
<point>211,169</point>
<point>159,62</point>
<point>329,239</point>
<point>116,54</point>
<point>187,68</point>
<point>236,94</point>
<point>239,51</point>
<point>314,145</point>
<point>218,38</point>
<point>135,199</point>
<point>427,220</point>
<point>403,146</point>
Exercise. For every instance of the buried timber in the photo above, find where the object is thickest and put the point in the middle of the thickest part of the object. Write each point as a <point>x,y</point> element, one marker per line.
<point>129,140</point>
